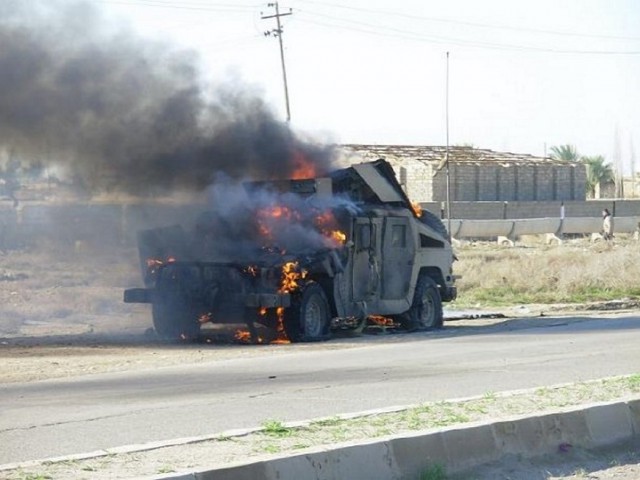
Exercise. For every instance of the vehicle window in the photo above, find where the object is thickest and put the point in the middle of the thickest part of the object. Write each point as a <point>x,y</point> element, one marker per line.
<point>428,242</point>
<point>365,236</point>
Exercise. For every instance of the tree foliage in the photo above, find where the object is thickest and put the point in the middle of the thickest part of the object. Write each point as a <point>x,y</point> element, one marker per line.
<point>598,171</point>
<point>566,153</point>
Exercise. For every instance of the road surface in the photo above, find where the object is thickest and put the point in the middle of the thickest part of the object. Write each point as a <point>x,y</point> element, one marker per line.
<point>64,416</point>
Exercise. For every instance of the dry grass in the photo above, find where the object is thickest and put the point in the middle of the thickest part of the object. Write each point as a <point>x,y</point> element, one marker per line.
<point>572,273</point>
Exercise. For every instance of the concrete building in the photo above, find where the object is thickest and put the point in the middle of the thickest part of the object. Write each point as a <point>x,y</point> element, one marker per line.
<point>476,174</point>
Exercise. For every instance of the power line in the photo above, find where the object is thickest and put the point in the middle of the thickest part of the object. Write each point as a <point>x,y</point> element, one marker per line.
<point>388,31</point>
<point>277,32</point>
<point>382,30</point>
<point>473,24</point>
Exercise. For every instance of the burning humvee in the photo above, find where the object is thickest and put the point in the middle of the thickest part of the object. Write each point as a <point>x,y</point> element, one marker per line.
<point>302,257</point>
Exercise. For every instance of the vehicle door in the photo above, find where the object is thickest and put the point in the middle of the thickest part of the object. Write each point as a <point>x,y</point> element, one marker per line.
<point>398,252</point>
<point>365,278</point>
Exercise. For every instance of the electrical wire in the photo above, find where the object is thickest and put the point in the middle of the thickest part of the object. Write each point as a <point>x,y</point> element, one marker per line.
<point>330,21</point>
<point>382,30</point>
<point>471,24</point>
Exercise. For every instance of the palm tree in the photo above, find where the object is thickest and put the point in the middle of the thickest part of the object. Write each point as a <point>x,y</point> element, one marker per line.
<point>598,172</point>
<point>568,153</point>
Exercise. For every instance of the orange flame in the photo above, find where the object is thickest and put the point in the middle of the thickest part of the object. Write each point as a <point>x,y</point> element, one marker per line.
<point>290,276</point>
<point>381,321</point>
<point>244,336</point>
<point>154,263</point>
<point>266,217</point>
<point>303,168</point>
<point>280,341</point>
<point>417,209</point>
<point>339,237</point>
<point>251,270</point>
<point>327,224</point>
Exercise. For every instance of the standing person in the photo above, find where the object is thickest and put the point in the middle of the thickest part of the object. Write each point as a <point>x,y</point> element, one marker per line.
<point>607,225</point>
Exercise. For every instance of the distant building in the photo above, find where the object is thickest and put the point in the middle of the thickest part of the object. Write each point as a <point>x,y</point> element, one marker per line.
<point>477,174</point>
<point>631,186</point>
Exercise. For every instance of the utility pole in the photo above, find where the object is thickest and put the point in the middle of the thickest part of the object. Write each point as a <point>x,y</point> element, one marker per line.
<point>446,152</point>
<point>277,32</point>
<point>632,156</point>
<point>618,165</point>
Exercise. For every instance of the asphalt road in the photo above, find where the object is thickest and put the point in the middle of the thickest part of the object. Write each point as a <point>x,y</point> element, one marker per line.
<point>59,417</point>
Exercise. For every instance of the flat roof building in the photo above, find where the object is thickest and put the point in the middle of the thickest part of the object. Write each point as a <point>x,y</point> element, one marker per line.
<point>476,174</point>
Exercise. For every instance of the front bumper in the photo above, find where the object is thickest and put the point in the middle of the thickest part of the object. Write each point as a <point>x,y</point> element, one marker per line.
<point>449,294</point>
<point>250,300</point>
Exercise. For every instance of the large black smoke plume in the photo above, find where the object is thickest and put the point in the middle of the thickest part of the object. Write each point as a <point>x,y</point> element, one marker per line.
<point>120,112</point>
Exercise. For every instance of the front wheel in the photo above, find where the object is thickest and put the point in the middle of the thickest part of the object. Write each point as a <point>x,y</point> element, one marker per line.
<point>174,319</point>
<point>426,311</point>
<point>308,319</point>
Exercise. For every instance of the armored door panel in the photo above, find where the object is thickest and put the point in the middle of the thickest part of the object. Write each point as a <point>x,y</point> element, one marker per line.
<point>366,263</point>
<point>398,251</point>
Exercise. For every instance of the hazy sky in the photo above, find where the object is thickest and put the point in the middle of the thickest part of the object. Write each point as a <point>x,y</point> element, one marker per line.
<point>522,74</point>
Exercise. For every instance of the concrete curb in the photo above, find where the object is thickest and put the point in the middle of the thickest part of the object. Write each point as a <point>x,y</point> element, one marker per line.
<point>456,448</point>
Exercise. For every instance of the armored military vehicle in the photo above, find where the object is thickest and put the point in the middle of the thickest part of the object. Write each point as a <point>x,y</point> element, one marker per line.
<point>320,254</point>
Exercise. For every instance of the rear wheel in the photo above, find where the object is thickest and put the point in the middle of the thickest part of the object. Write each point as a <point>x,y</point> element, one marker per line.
<point>173,317</point>
<point>426,311</point>
<point>308,319</point>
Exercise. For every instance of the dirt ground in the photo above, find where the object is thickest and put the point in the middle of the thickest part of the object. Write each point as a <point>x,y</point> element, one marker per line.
<point>621,462</point>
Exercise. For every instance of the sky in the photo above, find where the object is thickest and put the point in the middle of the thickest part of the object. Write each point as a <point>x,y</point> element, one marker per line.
<point>523,75</point>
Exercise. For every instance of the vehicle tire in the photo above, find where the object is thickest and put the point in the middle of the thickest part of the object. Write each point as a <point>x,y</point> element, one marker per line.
<point>426,311</point>
<point>308,319</point>
<point>433,221</point>
<point>173,318</point>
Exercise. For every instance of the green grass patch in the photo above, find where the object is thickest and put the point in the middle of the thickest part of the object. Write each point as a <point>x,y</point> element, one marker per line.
<point>508,296</point>
<point>275,428</point>
<point>326,422</point>
<point>165,469</point>
<point>300,446</point>
<point>634,382</point>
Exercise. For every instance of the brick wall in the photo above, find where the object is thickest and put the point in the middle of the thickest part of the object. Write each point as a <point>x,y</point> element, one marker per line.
<point>416,180</point>
<point>493,182</point>
<point>548,209</point>
<point>476,210</point>
<point>533,209</point>
<point>507,185</point>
